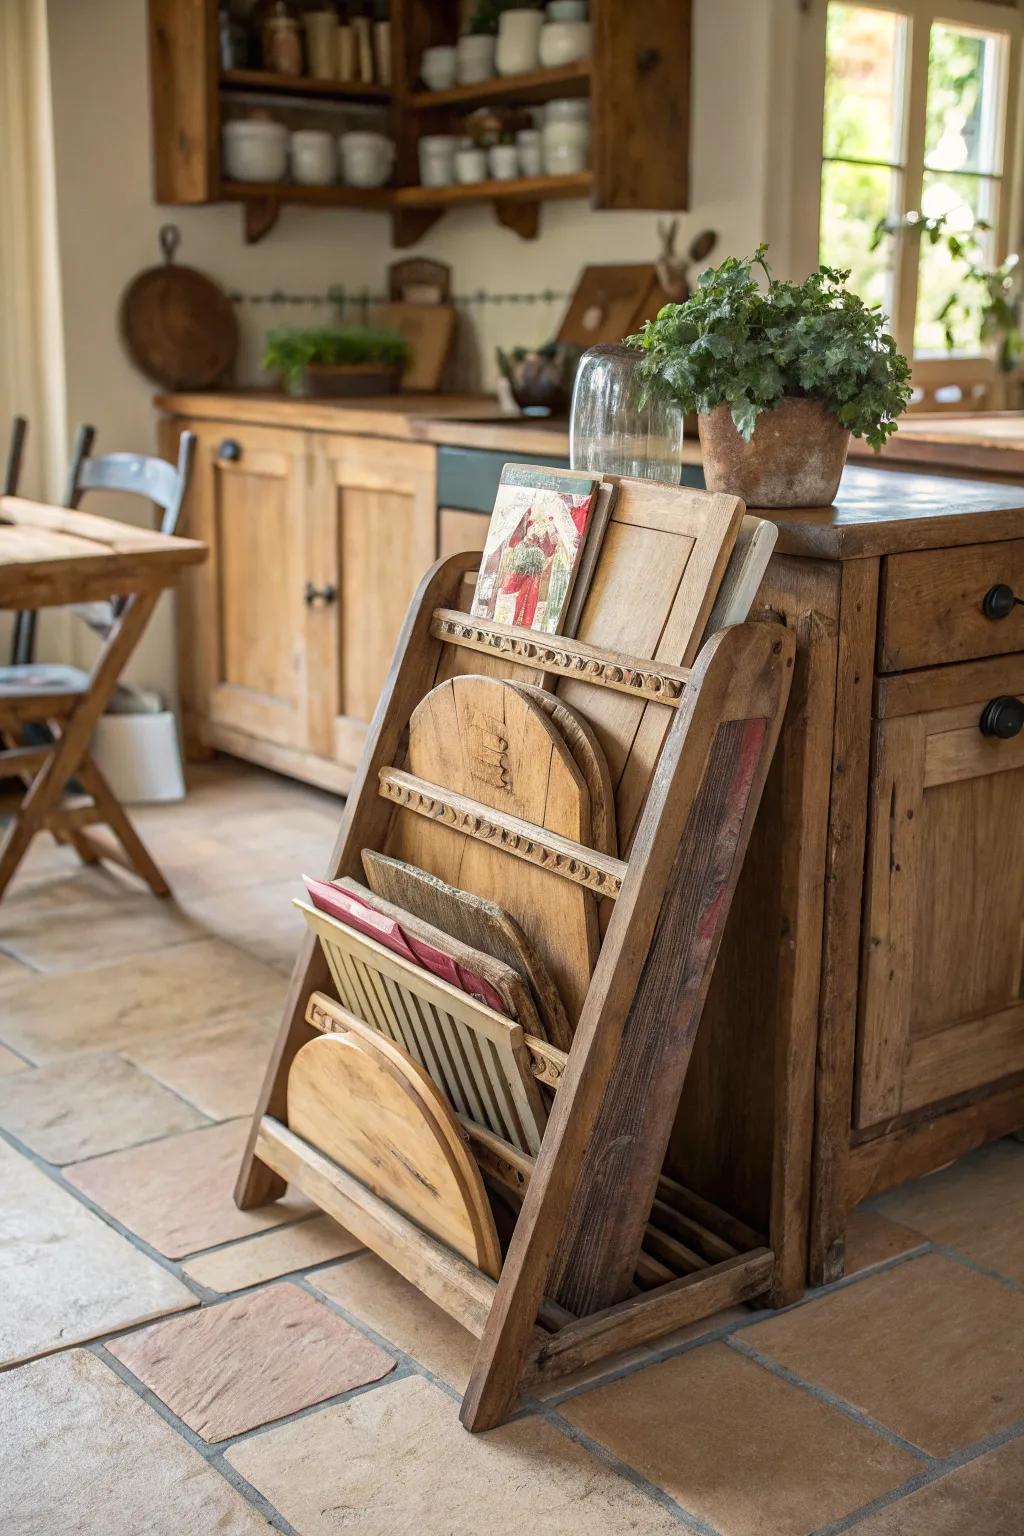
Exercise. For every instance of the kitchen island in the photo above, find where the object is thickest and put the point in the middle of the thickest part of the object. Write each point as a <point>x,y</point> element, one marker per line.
<point>866,1019</point>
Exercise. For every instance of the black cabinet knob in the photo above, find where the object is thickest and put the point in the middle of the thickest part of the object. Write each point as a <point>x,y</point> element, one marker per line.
<point>1002,717</point>
<point>325,595</point>
<point>230,450</point>
<point>1000,601</point>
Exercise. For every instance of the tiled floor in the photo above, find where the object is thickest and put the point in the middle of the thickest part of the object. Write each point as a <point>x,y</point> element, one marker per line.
<point>175,1367</point>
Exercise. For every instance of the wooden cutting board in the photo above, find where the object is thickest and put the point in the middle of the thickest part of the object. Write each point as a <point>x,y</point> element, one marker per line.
<point>480,924</point>
<point>429,330</point>
<point>589,758</point>
<point>480,737</point>
<point>179,328</point>
<point>365,1103</point>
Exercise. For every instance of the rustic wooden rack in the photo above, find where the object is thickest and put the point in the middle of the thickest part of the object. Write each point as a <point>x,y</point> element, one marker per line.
<point>607,1252</point>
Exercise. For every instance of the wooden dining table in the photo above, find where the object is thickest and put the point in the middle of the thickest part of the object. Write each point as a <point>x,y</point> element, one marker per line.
<point>54,557</point>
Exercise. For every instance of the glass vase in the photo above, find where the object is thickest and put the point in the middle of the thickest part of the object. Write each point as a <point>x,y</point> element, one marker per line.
<point>612,428</point>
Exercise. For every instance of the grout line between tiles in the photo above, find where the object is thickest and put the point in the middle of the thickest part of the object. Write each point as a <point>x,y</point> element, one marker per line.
<point>924,1479</point>
<point>630,1474</point>
<point>966,1262</point>
<point>211,1454</point>
<point>830,1399</point>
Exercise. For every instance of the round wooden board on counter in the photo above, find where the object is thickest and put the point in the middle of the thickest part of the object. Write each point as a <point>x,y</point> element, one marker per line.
<point>178,326</point>
<point>364,1102</point>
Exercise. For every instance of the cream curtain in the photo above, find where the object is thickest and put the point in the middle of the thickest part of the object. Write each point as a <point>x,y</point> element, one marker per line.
<point>31,340</point>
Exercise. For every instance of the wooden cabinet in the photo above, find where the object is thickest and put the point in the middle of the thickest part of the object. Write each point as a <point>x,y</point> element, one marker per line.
<point>637,79</point>
<point>865,1022</point>
<point>317,542</point>
<point>941,1008</point>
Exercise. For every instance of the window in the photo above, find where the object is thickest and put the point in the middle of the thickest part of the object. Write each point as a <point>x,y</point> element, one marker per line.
<point>918,102</point>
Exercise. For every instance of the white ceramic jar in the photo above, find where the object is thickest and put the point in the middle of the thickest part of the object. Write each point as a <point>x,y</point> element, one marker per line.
<point>470,164</point>
<point>474,58</point>
<point>366,159</point>
<point>529,151</point>
<point>565,138</point>
<point>255,150</point>
<point>437,159</point>
<point>564,42</point>
<point>437,68</point>
<point>518,49</point>
<point>314,157</point>
<point>504,160</point>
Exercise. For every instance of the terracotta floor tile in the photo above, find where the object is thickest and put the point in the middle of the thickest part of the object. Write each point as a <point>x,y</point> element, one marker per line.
<point>738,1446</point>
<point>258,918</point>
<point>218,1067</point>
<point>88,1105</point>
<point>871,1239</point>
<point>378,1295</point>
<point>397,1460</point>
<point>639,1358</point>
<point>176,1194</point>
<point>925,1348</point>
<point>84,935</point>
<point>84,1456</point>
<point>12,972</point>
<point>258,1259</point>
<point>986,1498</point>
<point>65,1276</point>
<point>976,1206</point>
<point>9,1062</point>
<point>246,1362</point>
<point>135,1000</point>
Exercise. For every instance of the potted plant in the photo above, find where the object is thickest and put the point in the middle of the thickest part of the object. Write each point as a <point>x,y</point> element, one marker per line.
<point>336,360</point>
<point>780,375</point>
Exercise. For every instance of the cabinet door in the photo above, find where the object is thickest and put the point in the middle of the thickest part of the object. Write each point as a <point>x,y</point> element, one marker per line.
<point>373,534</point>
<point>246,616</point>
<point>942,1003</point>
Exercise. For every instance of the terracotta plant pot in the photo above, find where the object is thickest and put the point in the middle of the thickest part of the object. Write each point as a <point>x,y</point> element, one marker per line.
<point>794,459</point>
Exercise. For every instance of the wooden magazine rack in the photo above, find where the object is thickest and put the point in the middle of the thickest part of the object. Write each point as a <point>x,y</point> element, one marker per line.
<point>606,1252</point>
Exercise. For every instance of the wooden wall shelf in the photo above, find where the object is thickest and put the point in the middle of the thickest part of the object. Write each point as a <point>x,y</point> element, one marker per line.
<point>638,82</point>
<point>529,90</point>
<point>263,81</point>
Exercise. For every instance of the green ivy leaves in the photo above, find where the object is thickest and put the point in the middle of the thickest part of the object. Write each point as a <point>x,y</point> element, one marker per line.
<point>737,343</point>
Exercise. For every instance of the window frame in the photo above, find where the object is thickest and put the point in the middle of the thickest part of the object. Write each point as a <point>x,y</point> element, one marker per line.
<point>970,371</point>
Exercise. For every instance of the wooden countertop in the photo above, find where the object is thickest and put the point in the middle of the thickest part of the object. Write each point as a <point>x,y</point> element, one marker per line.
<point>991,442</point>
<point>876,511</point>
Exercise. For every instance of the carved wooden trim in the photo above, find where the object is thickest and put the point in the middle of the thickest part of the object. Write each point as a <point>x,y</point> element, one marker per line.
<point>567,658</point>
<point>547,1062</point>
<point>558,855</point>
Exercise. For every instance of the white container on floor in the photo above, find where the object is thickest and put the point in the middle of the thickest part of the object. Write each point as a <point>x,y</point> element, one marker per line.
<point>140,757</point>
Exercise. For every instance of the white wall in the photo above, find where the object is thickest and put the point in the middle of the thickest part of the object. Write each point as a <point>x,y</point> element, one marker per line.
<point>108,222</point>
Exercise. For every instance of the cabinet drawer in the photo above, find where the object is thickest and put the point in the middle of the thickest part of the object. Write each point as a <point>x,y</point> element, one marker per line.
<point>933,605</point>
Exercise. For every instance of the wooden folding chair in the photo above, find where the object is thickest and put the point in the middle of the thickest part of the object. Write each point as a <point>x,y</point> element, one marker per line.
<point>48,712</point>
<point>690,731</point>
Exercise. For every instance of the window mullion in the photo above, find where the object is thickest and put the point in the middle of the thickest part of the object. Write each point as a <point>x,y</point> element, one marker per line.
<point>908,246</point>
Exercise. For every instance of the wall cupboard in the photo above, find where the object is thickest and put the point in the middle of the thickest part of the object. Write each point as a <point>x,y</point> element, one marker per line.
<point>638,82</point>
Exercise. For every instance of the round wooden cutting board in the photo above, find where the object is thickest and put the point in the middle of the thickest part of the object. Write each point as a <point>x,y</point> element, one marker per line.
<point>364,1102</point>
<point>179,328</point>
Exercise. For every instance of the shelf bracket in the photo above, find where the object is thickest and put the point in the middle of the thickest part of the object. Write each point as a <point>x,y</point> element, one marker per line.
<point>524,218</point>
<point>409,225</point>
<point>259,218</point>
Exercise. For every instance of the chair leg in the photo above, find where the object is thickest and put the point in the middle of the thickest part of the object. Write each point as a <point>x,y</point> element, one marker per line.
<point>116,818</point>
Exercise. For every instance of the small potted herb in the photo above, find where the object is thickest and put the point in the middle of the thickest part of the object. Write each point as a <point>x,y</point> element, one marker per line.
<point>780,375</point>
<point>336,360</point>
